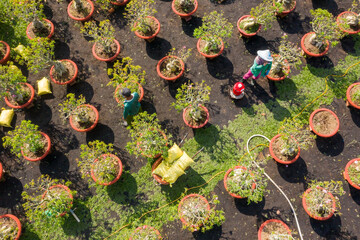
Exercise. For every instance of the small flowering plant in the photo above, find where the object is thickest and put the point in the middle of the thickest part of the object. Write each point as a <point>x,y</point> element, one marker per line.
<point>137,13</point>
<point>172,66</point>
<point>197,214</point>
<point>10,84</point>
<point>8,228</point>
<point>146,232</point>
<point>354,172</point>
<point>263,14</point>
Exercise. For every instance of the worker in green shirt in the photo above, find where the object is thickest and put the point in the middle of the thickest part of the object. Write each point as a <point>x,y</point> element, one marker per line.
<point>261,67</point>
<point>131,105</point>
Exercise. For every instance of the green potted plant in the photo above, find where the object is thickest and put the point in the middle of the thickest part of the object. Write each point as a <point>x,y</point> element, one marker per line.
<point>353,95</point>
<point>83,117</point>
<point>289,56</point>
<point>284,7</point>
<point>316,43</point>
<point>190,99</point>
<point>348,21</point>
<point>98,162</point>
<point>147,137</point>
<point>262,15</point>
<point>4,52</point>
<point>196,213</point>
<point>352,173</point>
<point>46,200</point>
<point>80,10</point>
<point>324,122</point>
<point>125,74</point>
<point>10,227</point>
<point>212,34</point>
<point>184,8</point>
<point>110,4</point>
<point>145,232</point>
<point>274,229</point>
<point>319,201</point>
<point>172,66</point>
<point>28,141</point>
<point>139,14</point>
<point>106,48</point>
<point>14,88</point>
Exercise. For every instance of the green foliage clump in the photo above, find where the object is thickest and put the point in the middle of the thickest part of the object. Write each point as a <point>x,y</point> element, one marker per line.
<point>263,14</point>
<point>103,34</point>
<point>71,107</point>
<point>10,82</point>
<point>137,13</point>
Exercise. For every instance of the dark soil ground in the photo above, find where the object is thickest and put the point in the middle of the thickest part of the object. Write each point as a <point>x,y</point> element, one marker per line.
<point>320,161</point>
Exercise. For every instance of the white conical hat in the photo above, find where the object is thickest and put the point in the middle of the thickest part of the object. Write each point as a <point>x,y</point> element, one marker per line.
<point>265,54</point>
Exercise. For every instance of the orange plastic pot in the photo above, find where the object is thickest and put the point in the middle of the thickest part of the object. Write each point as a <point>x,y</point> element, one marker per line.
<point>141,96</point>
<point>343,29</point>
<point>226,177</point>
<point>18,223</point>
<point>271,221</point>
<point>284,13</point>
<point>210,56</point>
<point>346,173</point>
<point>120,4</point>
<point>280,78</point>
<point>200,126</point>
<point>67,82</point>
<point>310,54</point>
<point>242,32</point>
<point>52,29</point>
<point>48,148</point>
<point>7,53</point>
<point>92,126</point>
<point>148,227</point>
<point>152,36</point>
<point>182,202</point>
<point>1,171</point>
<point>84,18</point>
<point>312,124</point>
<point>107,59</point>
<point>158,70</point>
<point>156,177</point>
<point>186,16</point>
<point>118,175</point>
<point>278,159</point>
<point>351,102</point>
<point>333,209</point>
<point>25,104</point>
<point>69,192</point>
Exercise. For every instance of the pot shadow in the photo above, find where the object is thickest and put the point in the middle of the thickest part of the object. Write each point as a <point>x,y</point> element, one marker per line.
<point>158,48</point>
<point>40,115</point>
<point>316,63</point>
<point>175,85</point>
<point>207,137</point>
<point>295,172</point>
<point>10,192</point>
<point>78,183</point>
<point>348,44</point>
<point>56,165</point>
<point>83,69</point>
<point>48,12</point>
<point>26,233</point>
<point>172,129</point>
<point>355,116</point>
<point>332,146</point>
<point>63,140</point>
<point>102,133</point>
<point>220,67</point>
<point>62,50</point>
<point>255,43</point>
<point>272,213</point>
<point>117,18</point>
<point>73,228</point>
<point>83,88</point>
<point>63,32</point>
<point>124,191</point>
<point>355,194</point>
<point>147,104</point>
<point>213,234</point>
<point>291,23</point>
<point>328,227</point>
<point>329,5</point>
<point>190,26</point>
<point>284,90</point>
<point>251,209</point>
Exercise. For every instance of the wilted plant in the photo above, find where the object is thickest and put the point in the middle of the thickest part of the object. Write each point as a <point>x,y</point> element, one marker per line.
<point>10,83</point>
<point>173,65</point>
<point>263,14</point>
<point>71,107</point>
<point>137,12</point>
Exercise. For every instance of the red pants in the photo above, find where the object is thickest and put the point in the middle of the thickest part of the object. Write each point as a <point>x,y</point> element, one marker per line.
<point>249,74</point>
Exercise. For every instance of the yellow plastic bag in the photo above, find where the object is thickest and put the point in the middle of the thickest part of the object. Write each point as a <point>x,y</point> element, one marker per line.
<point>161,169</point>
<point>44,86</point>
<point>183,162</point>
<point>173,174</point>
<point>22,51</point>
<point>173,153</point>
<point>6,117</point>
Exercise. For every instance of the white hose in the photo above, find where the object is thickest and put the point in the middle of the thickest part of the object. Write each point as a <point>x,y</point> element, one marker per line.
<point>292,208</point>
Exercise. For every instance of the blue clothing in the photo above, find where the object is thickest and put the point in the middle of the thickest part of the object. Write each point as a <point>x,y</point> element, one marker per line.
<point>131,107</point>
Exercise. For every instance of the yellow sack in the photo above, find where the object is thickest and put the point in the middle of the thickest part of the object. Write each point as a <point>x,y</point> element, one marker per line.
<point>183,162</point>
<point>6,117</point>
<point>173,174</point>
<point>161,169</point>
<point>44,86</point>
<point>21,50</point>
<point>173,153</point>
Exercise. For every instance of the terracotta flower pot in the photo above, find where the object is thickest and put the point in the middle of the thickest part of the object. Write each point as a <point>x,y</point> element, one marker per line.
<point>120,4</point>
<point>182,202</point>
<point>287,71</point>
<point>1,171</point>
<point>156,177</point>
<point>312,127</point>
<point>148,227</point>
<point>118,175</point>
<point>149,156</point>
<point>158,68</point>
<point>107,59</point>
<point>186,16</point>
<point>18,223</point>
<point>92,126</point>
<point>226,177</point>
<point>284,13</point>
<point>141,95</point>
<point>348,97</point>
<point>270,221</point>
<point>346,173</point>
<point>210,56</point>
<point>310,54</point>
<point>53,78</point>
<point>314,216</point>
<point>7,53</point>
<point>201,125</point>
<point>81,19</point>
<point>27,104</point>
<point>52,29</point>
<point>339,20</point>
<point>48,149</point>
<point>242,32</point>
<point>273,155</point>
<point>66,189</point>
<point>150,38</point>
